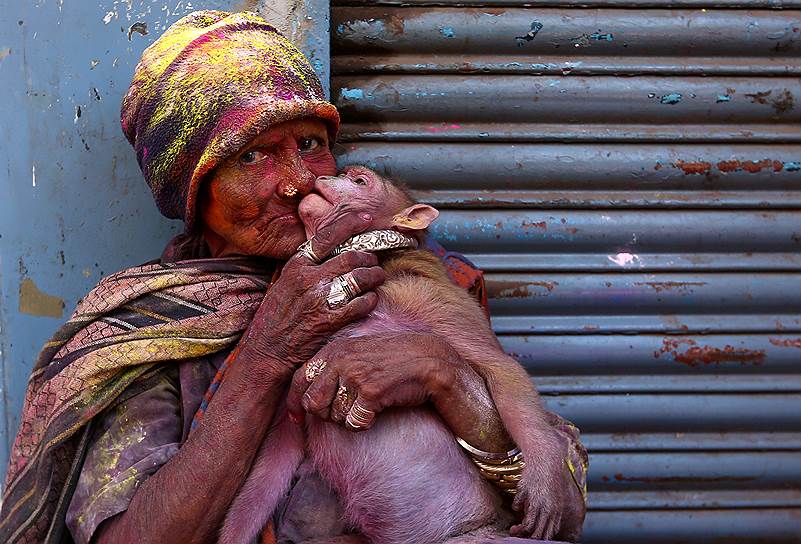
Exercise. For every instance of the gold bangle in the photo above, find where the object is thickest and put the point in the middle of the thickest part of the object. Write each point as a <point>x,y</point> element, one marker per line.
<point>504,470</point>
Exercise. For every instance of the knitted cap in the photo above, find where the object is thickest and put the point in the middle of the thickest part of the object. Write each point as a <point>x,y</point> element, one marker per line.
<point>210,84</point>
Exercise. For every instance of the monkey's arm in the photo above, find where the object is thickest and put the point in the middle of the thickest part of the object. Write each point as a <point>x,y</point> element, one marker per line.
<point>462,399</point>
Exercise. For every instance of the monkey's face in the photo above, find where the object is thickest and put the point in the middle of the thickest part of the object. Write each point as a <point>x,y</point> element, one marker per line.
<point>360,189</point>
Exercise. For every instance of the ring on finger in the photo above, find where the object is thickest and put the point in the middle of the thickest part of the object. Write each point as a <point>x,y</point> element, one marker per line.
<point>314,368</point>
<point>306,250</point>
<point>337,293</point>
<point>359,417</point>
<point>350,285</point>
<point>343,401</point>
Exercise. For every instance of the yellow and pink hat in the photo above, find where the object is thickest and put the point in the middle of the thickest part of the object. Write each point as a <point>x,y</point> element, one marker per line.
<point>210,84</point>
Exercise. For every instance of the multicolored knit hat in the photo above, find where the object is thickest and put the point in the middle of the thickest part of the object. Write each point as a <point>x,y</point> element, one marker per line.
<point>210,84</point>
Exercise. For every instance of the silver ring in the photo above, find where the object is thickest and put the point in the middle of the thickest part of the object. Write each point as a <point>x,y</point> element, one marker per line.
<point>338,293</point>
<point>350,285</point>
<point>314,368</point>
<point>306,250</point>
<point>343,401</point>
<point>359,417</point>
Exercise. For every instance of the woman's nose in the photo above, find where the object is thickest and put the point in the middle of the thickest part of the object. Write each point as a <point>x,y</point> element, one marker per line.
<point>297,181</point>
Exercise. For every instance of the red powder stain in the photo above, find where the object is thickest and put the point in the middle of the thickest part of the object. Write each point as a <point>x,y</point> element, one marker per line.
<point>443,128</point>
<point>786,343</point>
<point>605,478</point>
<point>539,225</point>
<point>696,355</point>
<point>572,230</point>
<point>699,167</point>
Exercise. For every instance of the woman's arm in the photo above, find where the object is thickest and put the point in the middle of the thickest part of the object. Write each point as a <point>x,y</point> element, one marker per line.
<point>416,368</point>
<point>188,497</point>
<point>190,494</point>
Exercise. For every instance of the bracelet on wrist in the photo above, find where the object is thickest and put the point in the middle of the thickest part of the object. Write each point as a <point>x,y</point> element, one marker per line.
<point>504,470</point>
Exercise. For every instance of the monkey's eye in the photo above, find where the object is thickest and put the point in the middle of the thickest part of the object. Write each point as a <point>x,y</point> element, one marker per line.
<point>360,180</point>
<point>308,144</point>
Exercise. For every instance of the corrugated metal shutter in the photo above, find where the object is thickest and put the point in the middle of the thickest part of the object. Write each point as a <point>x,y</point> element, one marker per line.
<point>630,179</point>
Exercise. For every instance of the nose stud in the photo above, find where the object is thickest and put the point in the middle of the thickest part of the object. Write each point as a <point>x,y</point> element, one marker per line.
<point>290,191</point>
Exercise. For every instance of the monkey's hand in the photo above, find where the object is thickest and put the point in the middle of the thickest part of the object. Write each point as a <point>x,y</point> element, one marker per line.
<point>542,491</point>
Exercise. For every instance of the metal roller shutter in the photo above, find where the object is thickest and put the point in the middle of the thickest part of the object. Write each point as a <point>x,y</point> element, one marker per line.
<point>629,176</point>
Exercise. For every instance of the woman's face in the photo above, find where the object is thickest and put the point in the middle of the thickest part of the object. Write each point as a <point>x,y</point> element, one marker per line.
<point>250,204</point>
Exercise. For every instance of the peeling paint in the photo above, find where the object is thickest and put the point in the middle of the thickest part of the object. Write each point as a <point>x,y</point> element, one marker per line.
<point>786,343</point>
<point>696,355</point>
<point>512,289</point>
<point>623,259</point>
<point>4,52</point>
<point>694,167</point>
<point>139,28</point>
<point>446,31</point>
<point>538,225</point>
<point>32,301</point>
<point>681,286</point>
<point>671,98</point>
<point>351,94</point>
<point>601,36</point>
<point>749,166</point>
<point>536,26</point>
<point>792,166</point>
<point>722,98</point>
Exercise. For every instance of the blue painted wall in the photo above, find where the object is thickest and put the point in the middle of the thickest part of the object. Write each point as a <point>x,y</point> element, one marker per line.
<point>73,205</point>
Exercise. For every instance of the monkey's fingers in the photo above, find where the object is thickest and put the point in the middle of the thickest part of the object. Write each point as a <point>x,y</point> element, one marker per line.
<point>330,236</point>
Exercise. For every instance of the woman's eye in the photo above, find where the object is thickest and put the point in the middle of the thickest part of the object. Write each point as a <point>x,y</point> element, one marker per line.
<point>360,180</point>
<point>309,144</point>
<point>252,157</point>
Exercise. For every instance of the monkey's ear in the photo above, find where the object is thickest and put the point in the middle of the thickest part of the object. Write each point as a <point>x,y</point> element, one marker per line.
<point>416,217</point>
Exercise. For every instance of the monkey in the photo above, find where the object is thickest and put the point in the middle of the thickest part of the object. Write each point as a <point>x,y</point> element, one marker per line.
<point>376,492</point>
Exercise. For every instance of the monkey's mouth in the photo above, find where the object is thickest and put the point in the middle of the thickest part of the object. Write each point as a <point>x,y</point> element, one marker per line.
<point>313,209</point>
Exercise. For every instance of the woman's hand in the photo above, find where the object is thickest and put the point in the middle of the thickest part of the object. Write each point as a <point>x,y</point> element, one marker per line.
<point>294,319</point>
<point>399,369</point>
<point>378,371</point>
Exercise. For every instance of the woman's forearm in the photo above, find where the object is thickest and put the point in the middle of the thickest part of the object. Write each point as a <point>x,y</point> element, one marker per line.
<point>188,497</point>
<point>465,404</point>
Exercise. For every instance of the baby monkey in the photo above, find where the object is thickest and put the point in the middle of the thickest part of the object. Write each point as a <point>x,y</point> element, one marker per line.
<point>406,479</point>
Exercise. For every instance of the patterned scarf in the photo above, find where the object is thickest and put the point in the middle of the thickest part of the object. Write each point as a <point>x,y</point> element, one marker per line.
<point>111,346</point>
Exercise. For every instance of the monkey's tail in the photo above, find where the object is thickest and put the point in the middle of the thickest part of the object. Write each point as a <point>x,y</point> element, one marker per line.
<point>270,476</point>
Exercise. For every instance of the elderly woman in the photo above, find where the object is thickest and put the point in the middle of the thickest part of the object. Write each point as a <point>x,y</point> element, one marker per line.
<point>129,431</point>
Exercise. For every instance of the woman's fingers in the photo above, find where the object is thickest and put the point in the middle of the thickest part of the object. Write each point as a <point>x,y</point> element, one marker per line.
<point>361,415</point>
<point>295,394</point>
<point>320,395</point>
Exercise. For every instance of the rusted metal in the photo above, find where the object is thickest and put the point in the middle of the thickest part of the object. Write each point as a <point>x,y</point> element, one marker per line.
<point>641,235</point>
<point>573,175</point>
<point>681,413</point>
<point>606,108</point>
<point>568,42</point>
<point>625,241</point>
<point>713,525</point>
<point>627,303</point>
<point>505,4</point>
